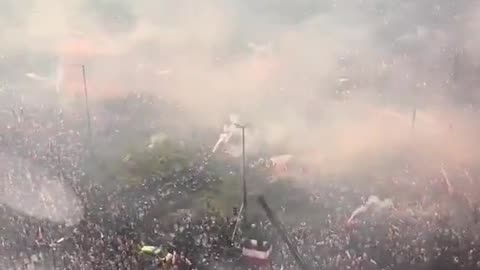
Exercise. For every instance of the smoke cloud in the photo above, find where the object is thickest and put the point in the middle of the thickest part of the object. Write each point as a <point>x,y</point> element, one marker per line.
<point>33,191</point>
<point>331,82</point>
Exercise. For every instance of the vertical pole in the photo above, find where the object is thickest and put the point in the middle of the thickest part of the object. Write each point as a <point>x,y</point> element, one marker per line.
<point>54,258</point>
<point>237,222</point>
<point>281,230</point>
<point>87,106</point>
<point>245,220</point>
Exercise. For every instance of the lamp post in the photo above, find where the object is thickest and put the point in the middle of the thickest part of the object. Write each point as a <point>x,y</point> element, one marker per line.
<point>87,106</point>
<point>244,182</point>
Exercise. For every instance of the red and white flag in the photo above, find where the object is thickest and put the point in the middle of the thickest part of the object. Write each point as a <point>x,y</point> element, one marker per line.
<point>256,253</point>
<point>281,162</point>
<point>280,166</point>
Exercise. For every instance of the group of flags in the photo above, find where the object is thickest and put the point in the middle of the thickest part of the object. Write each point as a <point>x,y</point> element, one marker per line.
<point>229,142</point>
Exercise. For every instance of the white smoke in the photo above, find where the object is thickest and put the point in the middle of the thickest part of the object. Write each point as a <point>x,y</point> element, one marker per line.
<point>229,130</point>
<point>32,191</point>
<point>373,203</point>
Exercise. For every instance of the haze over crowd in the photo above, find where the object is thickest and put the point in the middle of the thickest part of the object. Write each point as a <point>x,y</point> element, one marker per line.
<point>373,100</point>
<point>286,67</point>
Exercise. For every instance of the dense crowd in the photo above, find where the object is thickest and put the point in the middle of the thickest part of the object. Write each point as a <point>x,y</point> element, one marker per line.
<point>429,227</point>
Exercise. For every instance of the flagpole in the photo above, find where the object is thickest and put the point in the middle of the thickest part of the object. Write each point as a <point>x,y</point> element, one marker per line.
<point>281,229</point>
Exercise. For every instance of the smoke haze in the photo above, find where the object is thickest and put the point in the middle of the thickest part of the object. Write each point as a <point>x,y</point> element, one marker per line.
<point>333,82</point>
<point>34,191</point>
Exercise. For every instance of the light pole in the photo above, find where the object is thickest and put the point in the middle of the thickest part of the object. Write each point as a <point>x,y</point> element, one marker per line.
<point>244,181</point>
<point>87,106</point>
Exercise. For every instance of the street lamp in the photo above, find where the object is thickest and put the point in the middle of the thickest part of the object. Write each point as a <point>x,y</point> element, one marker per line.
<point>87,106</point>
<point>244,182</point>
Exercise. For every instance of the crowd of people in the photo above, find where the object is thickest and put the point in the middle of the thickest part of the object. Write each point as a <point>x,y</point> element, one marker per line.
<point>54,215</point>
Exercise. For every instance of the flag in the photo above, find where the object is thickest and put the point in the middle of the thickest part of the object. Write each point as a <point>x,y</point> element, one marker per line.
<point>256,252</point>
<point>280,165</point>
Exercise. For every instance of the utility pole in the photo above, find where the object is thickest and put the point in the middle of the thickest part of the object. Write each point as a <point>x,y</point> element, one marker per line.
<point>244,181</point>
<point>87,108</point>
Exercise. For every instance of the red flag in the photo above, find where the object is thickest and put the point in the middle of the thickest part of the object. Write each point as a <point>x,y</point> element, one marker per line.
<point>280,165</point>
